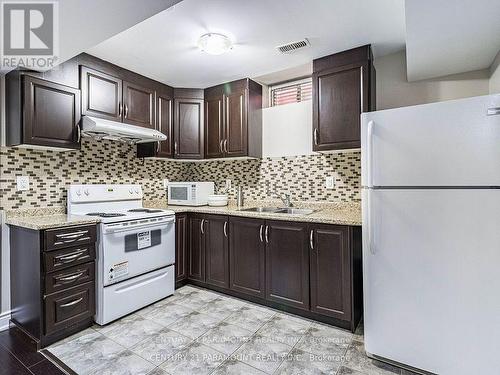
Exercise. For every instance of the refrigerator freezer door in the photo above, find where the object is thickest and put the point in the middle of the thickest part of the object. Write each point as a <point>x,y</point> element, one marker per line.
<point>431,278</point>
<point>452,143</point>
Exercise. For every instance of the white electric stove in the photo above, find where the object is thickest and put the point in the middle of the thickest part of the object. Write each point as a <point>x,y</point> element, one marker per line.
<point>136,248</point>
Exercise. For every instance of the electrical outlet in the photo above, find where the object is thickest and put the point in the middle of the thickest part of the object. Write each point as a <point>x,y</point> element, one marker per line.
<point>228,183</point>
<point>23,183</point>
<point>330,182</point>
<point>165,183</point>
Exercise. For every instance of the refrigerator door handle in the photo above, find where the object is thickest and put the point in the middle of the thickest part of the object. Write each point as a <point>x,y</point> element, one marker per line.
<point>369,146</point>
<point>370,223</point>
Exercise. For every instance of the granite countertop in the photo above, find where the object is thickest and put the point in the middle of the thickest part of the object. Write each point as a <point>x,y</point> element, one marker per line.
<point>45,218</point>
<point>325,213</point>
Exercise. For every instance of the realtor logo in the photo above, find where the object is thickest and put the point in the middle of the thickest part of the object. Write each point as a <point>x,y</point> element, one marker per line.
<point>29,34</point>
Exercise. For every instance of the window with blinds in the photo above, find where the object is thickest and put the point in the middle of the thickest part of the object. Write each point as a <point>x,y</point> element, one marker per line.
<point>291,92</point>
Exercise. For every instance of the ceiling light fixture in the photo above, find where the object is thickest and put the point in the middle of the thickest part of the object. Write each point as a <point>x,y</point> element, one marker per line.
<point>214,44</point>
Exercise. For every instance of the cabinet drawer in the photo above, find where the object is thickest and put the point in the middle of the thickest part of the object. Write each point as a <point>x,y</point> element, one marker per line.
<point>64,237</point>
<point>69,307</point>
<point>64,258</point>
<point>69,277</point>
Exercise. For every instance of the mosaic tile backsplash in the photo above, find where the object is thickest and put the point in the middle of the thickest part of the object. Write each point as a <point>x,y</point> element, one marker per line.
<point>111,162</point>
<point>303,177</point>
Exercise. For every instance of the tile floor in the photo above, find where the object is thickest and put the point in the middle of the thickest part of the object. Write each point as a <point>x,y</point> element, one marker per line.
<point>197,331</point>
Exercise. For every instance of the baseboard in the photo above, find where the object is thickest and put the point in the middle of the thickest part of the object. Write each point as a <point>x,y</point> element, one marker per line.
<point>4,320</point>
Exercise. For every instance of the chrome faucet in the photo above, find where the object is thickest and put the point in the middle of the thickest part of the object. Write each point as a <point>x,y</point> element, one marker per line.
<point>285,198</point>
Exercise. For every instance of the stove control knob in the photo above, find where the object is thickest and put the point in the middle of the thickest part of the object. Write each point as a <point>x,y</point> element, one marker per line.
<point>86,191</point>
<point>79,192</point>
<point>136,190</point>
<point>131,191</point>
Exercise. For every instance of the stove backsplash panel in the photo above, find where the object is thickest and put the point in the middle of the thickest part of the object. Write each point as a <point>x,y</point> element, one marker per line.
<point>109,162</point>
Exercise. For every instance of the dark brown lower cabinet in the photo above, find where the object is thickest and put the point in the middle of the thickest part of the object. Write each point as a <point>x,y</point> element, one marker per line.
<point>330,266</point>
<point>313,270</point>
<point>216,234</point>
<point>181,242</point>
<point>52,282</point>
<point>247,256</point>
<point>287,263</point>
<point>196,258</point>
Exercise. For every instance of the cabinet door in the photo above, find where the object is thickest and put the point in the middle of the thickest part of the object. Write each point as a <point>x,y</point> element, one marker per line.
<point>235,142</point>
<point>287,263</point>
<point>330,271</point>
<point>247,256</point>
<point>138,105</point>
<point>188,128</point>
<point>196,259</point>
<point>338,98</point>
<point>51,114</point>
<point>214,131</point>
<point>180,247</point>
<point>101,94</point>
<point>216,250</point>
<point>164,123</point>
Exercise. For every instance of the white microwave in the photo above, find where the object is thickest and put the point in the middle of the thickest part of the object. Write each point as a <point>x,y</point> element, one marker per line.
<point>189,193</point>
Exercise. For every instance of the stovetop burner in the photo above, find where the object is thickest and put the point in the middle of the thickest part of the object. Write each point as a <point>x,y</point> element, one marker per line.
<point>146,210</point>
<point>104,214</point>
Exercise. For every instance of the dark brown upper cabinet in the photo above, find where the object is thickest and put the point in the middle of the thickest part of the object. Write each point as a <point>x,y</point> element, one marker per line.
<point>188,124</point>
<point>41,113</point>
<point>112,98</point>
<point>164,123</point>
<point>139,104</point>
<point>247,256</point>
<point>343,88</point>
<point>102,94</point>
<point>287,264</point>
<point>233,120</point>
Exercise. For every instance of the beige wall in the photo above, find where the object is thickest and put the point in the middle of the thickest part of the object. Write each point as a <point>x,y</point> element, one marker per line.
<point>495,75</point>
<point>393,89</point>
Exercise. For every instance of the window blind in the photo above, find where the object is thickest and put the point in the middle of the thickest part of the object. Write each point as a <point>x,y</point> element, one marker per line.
<point>291,93</point>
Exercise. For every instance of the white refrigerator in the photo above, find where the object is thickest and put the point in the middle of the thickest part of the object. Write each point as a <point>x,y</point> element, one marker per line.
<point>431,235</point>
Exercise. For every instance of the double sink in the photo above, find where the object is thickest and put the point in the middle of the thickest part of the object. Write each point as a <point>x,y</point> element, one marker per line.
<point>277,210</point>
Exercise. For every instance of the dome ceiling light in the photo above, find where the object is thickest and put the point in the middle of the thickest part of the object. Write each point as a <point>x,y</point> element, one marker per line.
<point>214,44</point>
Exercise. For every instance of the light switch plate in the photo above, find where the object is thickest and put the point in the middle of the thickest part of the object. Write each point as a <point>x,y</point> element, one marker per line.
<point>228,183</point>
<point>165,183</point>
<point>23,183</point>
<point>330,182</point>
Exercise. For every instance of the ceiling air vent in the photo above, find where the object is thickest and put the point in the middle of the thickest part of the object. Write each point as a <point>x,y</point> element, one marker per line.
<point>291,47</point>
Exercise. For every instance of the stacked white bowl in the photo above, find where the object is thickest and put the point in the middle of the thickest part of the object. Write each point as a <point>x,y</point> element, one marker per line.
<point>218,200</point>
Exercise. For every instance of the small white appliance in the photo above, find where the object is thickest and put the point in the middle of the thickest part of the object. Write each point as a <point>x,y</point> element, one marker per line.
<point>100,128</point>
<point>431,235</point>
<point>218,200</point>
<point>189,193</point>
<point>136,248</point>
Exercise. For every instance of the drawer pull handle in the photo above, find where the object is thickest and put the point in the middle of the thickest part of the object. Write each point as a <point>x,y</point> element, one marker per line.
<point>72,303</point>
<point>70,278</point>
<point>71,257</point>
<point>71,237</point>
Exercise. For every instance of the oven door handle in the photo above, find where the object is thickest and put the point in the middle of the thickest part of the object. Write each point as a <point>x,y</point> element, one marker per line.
<point>108,230</point>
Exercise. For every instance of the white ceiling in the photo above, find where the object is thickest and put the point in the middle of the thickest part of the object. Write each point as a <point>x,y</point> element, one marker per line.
<point>450,36</point>
<point>84,23</point>
<point>163,47</point>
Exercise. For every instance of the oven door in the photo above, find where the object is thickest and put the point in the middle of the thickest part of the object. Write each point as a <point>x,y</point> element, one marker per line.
<point>179,194</point>
<point>129,249</point>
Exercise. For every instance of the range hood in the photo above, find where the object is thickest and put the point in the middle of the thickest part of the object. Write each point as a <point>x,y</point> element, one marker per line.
<point>105,129</point>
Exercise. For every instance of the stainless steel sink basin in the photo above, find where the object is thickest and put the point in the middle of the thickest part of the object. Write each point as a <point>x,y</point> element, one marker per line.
<point>295,211</point>
<point>277,210</point>
<point>263,209</point>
